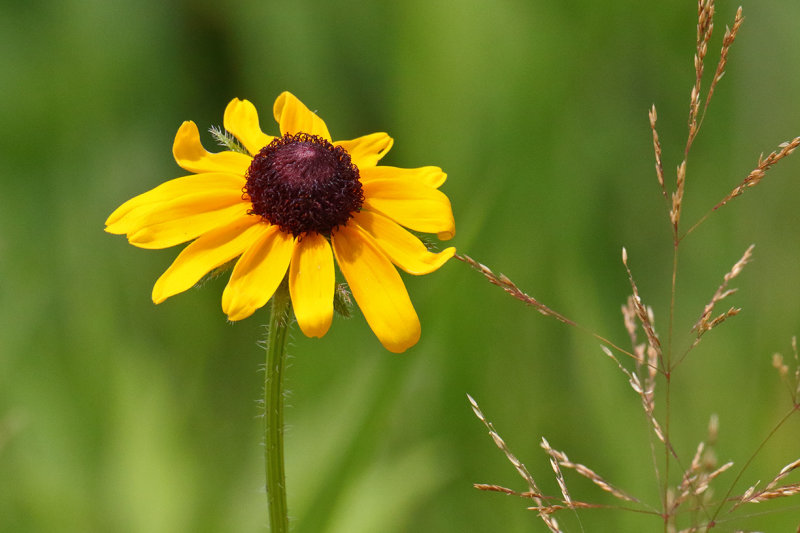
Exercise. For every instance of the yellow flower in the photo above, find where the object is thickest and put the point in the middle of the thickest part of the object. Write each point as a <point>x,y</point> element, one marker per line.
<point>293,203</point>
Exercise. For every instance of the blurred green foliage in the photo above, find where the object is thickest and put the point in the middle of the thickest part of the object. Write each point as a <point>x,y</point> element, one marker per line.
<point>117,415</point>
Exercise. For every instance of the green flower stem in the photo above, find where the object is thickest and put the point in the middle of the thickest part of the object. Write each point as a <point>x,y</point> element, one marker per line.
<point>273,405</point>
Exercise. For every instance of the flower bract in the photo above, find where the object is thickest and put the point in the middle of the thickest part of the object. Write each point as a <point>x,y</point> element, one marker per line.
<point>293,206</point>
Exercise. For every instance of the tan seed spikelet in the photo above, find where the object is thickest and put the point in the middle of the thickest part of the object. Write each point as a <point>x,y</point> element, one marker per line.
<point>705,323</point>
<point>727,42</point>
<point>657,149</point>
<point>783,473</point>
<point>778,492</point>
<point>629,319</point>
<point>652,368</point>
<point>647,394</point>
<point>677,196</point>
<point>586,472</point>
<point>495,488</point>
<point>697,478</point>
<point>641,311</point>
<point>777,362</point>
<point>507,285</point>
<point>772,490</point>
<point>548,509</point>
<point>644,354</point>
<point>705,27</point>
<point>758,173</point>
<point>556,507</point>
<point>745,497</point>
<point>698,485</point>
<point>716,473</point>
<point>562,484</point>
<point>689,477</point>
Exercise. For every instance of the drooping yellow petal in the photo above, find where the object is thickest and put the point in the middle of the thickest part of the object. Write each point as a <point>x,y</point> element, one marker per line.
<point>206,253</point>
<point>403,248</point>
<point>366,151</point>
<point>241,119</point>
<point>257,274</point>
<point>377,288</point>
<point>414,205</point>
<point>185,218</point>
<point>311,284</point>
<point>294,117</point>
<point>190,154</point>
<point>431,176</point>
<point>124,217</point>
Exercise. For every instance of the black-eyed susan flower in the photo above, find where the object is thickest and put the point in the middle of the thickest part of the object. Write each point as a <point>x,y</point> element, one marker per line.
<point>287,206</point>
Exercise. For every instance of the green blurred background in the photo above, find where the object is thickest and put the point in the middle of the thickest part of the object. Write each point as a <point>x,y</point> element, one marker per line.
<point>117,415</point>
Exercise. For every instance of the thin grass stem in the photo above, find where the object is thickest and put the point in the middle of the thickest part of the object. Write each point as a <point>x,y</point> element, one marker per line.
<point>763,443</point>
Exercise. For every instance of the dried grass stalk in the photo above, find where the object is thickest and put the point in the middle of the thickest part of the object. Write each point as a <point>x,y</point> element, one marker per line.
<point>689,479</point>
<point>778,492</point>
<point>705,27</point>
<point>697,478</point>
<point>677,197</point>
<point>556,507</point>
<point>562,484</point>
<point>629,319</point>
<point>496,488</point>
<point>785,471</point>
<point>758,173</point>
<point>544,513</point>
<point>761,496</point>
<point>657,149</point>
<point>562,460</point>
<point>696,481</point>
<point>646,394</point>
<point>727,42</point>
<point>507,285</point>
<point>644,354</point>
<point>705,322</point>
<point>641,310</point>
<point>772,490</point>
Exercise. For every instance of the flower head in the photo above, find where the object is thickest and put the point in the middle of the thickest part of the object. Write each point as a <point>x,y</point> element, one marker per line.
<point>287,206</point>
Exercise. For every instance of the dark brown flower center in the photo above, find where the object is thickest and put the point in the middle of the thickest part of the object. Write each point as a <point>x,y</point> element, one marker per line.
<point>303,183</point>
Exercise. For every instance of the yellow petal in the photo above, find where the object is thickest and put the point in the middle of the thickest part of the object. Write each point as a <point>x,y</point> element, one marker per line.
<point>311,284</point>
<point>257,274</point>
<point>431,176</point>
<point>186,217</point>
<point>404,249</point>
<point>294,117</point>
<point>206,253</point>
<point>414,205</point>
<point>124,217</point>
<point>190,154</point>
<point>241,119</point>
<point>377,288</point>
<point>366,151</point>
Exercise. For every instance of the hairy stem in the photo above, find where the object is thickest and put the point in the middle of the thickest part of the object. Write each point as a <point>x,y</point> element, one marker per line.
<point>273,410</point>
